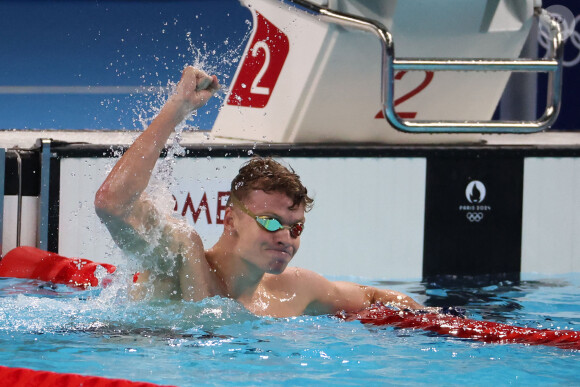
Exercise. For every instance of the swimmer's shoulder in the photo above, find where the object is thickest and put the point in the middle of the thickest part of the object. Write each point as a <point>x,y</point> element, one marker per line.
<point>311,291</point>
<point>183,232</point>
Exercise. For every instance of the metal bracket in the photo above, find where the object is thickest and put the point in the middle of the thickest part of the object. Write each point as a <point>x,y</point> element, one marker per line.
<point>552,65</point>
<point>2,181</point>
<point>44,197</point>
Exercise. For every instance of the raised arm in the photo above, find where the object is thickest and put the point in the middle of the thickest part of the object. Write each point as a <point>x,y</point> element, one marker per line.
<point>171,249</point>
<point>130,176</point>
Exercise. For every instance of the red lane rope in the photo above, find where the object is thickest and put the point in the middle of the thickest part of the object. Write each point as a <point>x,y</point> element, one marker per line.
<point>26,377</point>
<point>32,263</point>
<point>486,331</point>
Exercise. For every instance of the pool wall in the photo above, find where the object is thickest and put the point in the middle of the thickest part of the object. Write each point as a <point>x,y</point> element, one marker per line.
<point>408,212</point>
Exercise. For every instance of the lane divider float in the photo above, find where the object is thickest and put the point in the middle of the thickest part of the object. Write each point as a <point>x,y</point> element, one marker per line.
<point>33,263</point>
<point>485,331</point>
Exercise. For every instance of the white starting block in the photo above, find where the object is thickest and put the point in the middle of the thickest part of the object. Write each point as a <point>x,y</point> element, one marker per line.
<point>309,75</point>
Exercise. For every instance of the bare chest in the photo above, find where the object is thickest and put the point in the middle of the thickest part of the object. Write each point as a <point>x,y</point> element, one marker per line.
<point>274,303</point>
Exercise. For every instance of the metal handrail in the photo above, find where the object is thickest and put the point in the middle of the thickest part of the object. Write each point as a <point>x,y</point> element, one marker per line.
<point>552,65</point>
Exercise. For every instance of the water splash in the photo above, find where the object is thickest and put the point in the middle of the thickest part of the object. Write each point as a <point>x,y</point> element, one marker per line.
<point>28,306</point>
<point>218,59</point>
<point>203,58</point>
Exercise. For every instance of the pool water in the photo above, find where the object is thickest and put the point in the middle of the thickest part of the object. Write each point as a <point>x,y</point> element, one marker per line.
<point>216,342</point>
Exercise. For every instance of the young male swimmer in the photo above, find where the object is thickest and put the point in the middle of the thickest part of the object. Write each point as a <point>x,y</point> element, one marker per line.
<point>262,226</point>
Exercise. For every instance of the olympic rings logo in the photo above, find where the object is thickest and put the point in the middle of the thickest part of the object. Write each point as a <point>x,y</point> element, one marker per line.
<point>474,216</point>
<point>569,24</point>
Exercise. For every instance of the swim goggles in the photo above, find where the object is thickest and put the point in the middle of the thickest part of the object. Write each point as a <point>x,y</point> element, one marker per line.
<point>269,223</point>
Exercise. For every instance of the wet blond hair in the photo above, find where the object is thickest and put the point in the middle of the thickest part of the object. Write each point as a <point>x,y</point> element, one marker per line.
<point>268,175</point>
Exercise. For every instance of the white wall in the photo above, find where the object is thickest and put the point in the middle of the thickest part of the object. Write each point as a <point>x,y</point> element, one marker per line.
<point>551,215</point>
<point>367,218</point>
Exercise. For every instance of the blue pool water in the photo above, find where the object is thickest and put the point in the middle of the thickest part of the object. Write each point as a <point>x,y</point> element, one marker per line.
<point>217,342</point>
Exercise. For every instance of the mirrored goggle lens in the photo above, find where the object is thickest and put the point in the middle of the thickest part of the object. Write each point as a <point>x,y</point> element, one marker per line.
<point>296,230</point>
<point>273,225</point>
<point>269,224</point>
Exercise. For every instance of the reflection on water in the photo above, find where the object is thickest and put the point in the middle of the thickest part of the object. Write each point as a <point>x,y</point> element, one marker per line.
<point>532,300</point>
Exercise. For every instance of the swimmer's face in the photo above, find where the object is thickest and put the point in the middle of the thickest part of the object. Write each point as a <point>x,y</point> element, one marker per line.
<point>269,251</point>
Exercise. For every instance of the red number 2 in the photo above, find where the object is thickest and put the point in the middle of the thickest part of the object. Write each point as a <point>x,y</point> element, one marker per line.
<point>426,81</point>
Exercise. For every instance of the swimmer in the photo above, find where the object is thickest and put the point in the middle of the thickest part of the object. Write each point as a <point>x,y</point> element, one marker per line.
<point>263,222</point>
